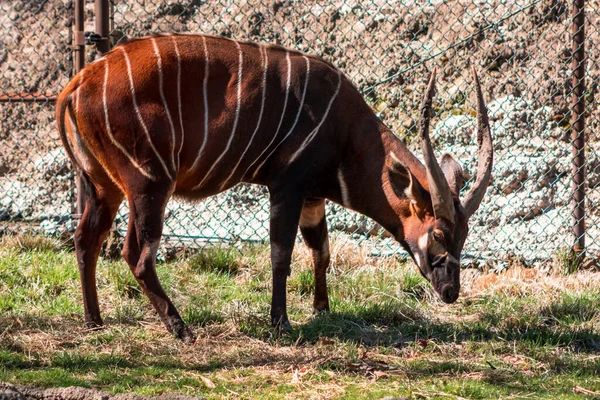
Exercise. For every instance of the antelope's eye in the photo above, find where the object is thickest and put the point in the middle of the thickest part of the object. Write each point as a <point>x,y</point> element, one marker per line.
<point>438,244</point>
<point>438,235</point>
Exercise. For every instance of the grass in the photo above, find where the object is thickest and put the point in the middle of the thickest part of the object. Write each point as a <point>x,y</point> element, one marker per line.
<point>523,333</point>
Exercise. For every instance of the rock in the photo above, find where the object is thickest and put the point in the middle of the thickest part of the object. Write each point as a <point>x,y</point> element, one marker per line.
<point>49,227</point>
<point>523,205</point>
<point>18,392</point>
<point>52,164</point>
<point>10,392</point>
<point>498,108</point>
<point>408,123</point>
<point>455,130</point>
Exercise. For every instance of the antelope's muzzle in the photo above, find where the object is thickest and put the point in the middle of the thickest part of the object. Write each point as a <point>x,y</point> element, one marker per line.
<point>446,274</point>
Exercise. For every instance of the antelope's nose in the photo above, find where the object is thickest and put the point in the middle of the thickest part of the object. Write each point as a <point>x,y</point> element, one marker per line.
<point>449,294</point>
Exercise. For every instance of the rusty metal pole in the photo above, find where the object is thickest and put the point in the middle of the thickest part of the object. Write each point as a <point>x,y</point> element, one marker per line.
<point>79,49</point>
<point>102,25</point>
<point>578,124</point>
<point>102,44</point>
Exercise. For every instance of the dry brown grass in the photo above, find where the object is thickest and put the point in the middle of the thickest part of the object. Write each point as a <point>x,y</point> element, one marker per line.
<point>30,242</point>
<point>519,281</point>
<point>333,356</point>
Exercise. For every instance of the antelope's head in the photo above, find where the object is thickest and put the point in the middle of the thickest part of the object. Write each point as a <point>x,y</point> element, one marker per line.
<point>435,219</point>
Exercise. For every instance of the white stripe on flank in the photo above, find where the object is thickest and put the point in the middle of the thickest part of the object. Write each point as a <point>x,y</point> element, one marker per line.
<point>287,92</point>
<point>235,121</point>
<point>164,100</point>
<point>344,189</point>
<point>316,130</point>
<point>139,114</point>
<point>205,95</point>
<point>179,97</point>
<point>109,130</point>
<point>265,60</point>
<point>295,121</point>
<point>78,87</point>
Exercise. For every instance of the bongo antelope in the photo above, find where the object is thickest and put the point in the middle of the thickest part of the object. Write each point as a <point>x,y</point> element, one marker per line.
<point>194,115</point>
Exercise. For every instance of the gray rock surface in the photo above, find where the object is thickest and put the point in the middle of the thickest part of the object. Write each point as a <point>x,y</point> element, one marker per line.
<point>18,392</point>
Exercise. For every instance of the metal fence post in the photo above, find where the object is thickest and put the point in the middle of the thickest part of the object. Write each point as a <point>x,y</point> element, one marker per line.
<point>102,44</point>
<point>79,49</point>
<point>578,124</point>
<point>102,25</point>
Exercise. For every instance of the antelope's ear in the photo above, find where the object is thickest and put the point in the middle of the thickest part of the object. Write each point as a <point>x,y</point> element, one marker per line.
<point>454,173</point>
<point>403,182</point>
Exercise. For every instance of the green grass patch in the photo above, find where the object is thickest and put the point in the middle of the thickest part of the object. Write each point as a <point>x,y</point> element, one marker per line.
<point>219,259</point>
<point>387,333</point>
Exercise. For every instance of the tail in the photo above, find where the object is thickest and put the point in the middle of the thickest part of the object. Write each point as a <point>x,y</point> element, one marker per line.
<point>64,106</point>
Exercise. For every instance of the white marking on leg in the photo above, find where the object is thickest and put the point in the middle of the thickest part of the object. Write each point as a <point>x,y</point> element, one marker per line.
<point>423,242</point>
<point>109,130</point>
<point>316,130</point>
<point>78,89</point>
<point>179,97</point>
<point>344,189</point>
<point>205,95</point>
<point>417,259</point>
<point>139,114</point>
<point>164,100</point>
<point>287,92</point>
<point>235,121</point>
<point>295,121</point>
<point>263,53</point>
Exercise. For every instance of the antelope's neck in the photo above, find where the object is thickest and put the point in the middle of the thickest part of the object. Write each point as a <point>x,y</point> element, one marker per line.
<point>363,174</point>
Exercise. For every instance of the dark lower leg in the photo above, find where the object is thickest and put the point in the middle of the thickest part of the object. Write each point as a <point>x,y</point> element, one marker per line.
<point>320,265</point>
<point>145,274</point>
<point>285,213</point>
<point>140,252</point>
<point>279,316</point>
<point>91,232</point>
<point>314,232</point>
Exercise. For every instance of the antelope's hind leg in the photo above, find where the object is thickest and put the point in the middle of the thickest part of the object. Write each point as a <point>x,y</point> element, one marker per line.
<point>313,226</point>
<point>146,221</point>
<point>101,205</point>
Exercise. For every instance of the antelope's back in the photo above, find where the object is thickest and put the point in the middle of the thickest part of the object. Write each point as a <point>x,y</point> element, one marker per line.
<point>206,112</point>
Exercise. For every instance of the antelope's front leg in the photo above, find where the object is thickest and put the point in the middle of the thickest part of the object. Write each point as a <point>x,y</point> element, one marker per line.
<point>313,227</point>
<point>286,206</point>
<point>143,237</point>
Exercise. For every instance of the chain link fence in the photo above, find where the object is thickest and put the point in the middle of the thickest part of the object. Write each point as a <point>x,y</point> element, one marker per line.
<point>387,48</point>
<point>36,186</point>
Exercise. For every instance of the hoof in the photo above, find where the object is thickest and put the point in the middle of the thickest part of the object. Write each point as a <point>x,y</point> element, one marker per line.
<point>184,334</point>
<point>93,325</point>
<point>282,325</point>
<point>187,336</point>
<point>319,311</point>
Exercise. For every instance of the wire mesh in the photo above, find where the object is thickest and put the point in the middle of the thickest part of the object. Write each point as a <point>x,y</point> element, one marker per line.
<point>522,49</point>
<point>35,62</point>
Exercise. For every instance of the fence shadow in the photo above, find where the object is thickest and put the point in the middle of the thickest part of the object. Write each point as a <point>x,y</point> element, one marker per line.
<point>369,327</point>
